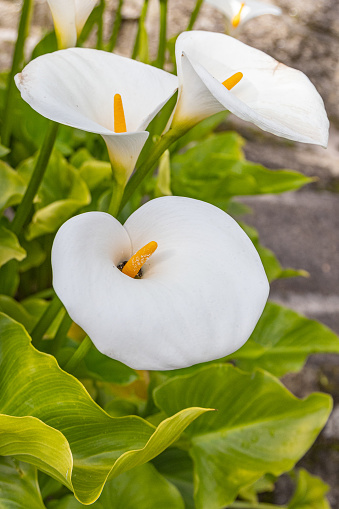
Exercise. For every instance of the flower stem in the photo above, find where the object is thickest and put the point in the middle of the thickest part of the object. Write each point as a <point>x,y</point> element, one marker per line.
<point>255,505</point>
<point>61,334</point>
<point>102,6</point>
<point>18,57</point>
<point>142,18</point>
<point>79,354</point>
<point>194,14</point>
<point>45,321</point>
<point>117,194</point>
<point>162,35</point>
<point>159,148</point>
<point>116,27</point>
<point>25,206</point>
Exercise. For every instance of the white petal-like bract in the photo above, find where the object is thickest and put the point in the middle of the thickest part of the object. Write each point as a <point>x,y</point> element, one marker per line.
<point>276,98</point>
<point>246,9</point>
<point>69,17</point>
<point>76,87</point>
<point>200,295</point>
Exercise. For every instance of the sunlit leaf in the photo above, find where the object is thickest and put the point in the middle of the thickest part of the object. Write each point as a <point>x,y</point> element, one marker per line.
<point>60,195</point>
<point>282,341</point>
<point>140,488</point>
<point>12,186</point>
<point>310,493</point>
<point>29,439</point>
<point>260,427</point>
<point>101,445</point>
<point>9,246</point>
<point>215,170</point>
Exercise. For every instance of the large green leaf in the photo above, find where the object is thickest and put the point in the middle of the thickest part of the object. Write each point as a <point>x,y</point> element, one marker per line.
<point>177,466</point>
<point>215,170</point>
<point>260,427</point>
<point>9,246</point>
<point>29,439</point>
<point>101,446</point>
<point>282,341</point>
<point>12,186</point>
<point>61,194</point>
<point>19,487</point>
<point>310,493</point>
<point>140,488</point>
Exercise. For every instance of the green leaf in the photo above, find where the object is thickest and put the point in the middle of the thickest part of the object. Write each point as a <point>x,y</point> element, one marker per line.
<point>101,445</point>
<point>12,186</point>
<point>260,427</point>
<point>177,466</point>
<point>47,44</point>
<point>96,173</point>
<point>261,486</point>
<point>310,493</point>
<point>215,170</point>
<point>4,151</point>
<point>104,369</point>
<point>282,341</point>
<point>19,485</point>
<point>29,439</point>
<point>36,255</point>
<point>140,488</point>
<point>9,247</point>
<point>61,194</point>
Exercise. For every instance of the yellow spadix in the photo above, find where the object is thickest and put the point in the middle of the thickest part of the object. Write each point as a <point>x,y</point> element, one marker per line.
<point>135,263</point>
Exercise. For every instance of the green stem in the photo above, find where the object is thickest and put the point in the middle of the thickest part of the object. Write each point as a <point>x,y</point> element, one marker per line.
<point>116,27</point>
<point>100,24</point>
<point>194,14</point>
<point>79,354</point>
<point>159,148</point>
<point>162,35</point>
<point>117,194</point>
<point>18,57</point>
<point>142,18</point>
<point>250,505</point>
<point>45,321</point>
<point>25,206</point>
<point>61,334</point>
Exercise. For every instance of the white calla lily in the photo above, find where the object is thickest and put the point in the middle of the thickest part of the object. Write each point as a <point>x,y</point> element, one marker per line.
<point>217,72</point>
<point>79,87</point>
<point>69,17</point>
<point>199,297</point>
<point>238,12</point>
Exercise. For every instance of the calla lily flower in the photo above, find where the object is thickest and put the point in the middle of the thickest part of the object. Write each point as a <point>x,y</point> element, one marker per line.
<point>99,92</point>
<point>238,12</point>
<point>69,18</point>
<point>197,297</point>
<point>217,72</point>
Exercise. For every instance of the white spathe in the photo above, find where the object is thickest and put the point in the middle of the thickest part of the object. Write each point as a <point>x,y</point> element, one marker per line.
<point>248,9</point>
<point>76,87</point>
<point>69,17</point>
<point>200,296</point>
<point>276,98</point>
